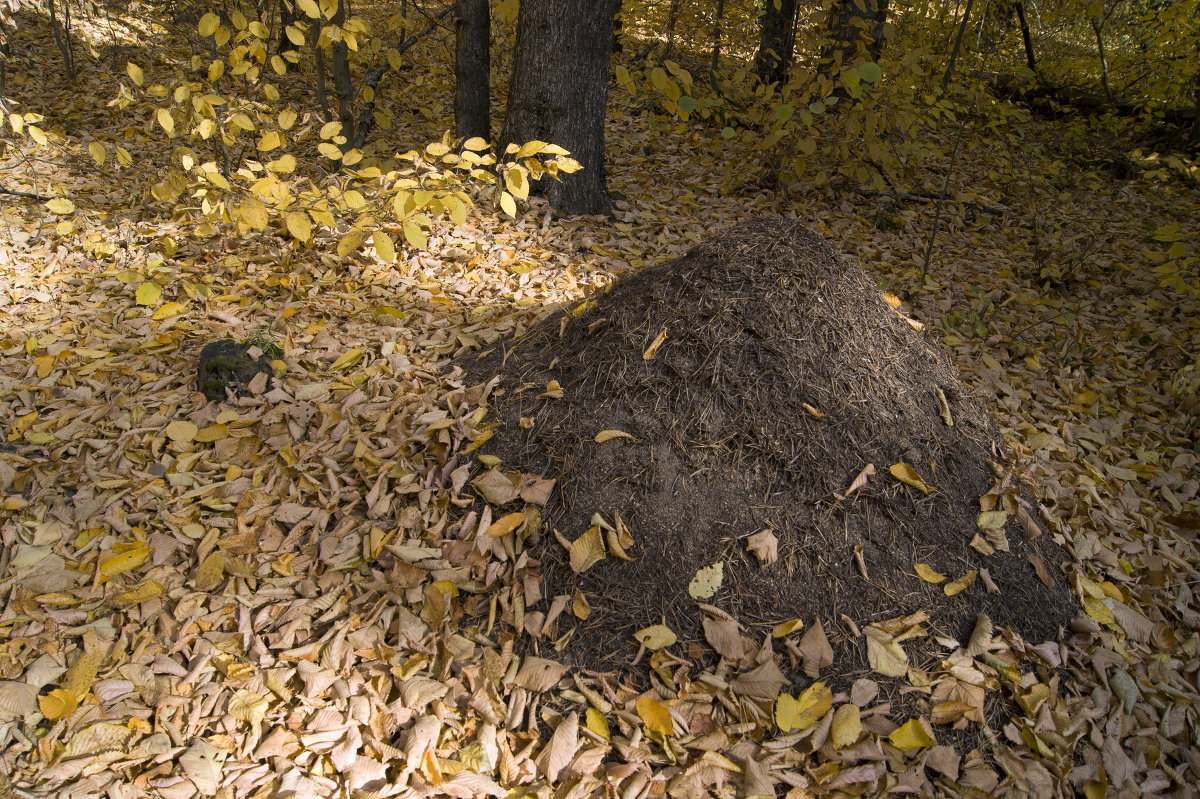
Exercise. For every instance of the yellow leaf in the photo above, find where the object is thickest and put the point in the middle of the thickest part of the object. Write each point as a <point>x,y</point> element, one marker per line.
<point>79,678</point>
<point>475,143</point>
<point>330,129</point>
<point>150,589</point>
<point>587,550</point>
<point>517,182</point>
<point>348,359</point>
<point>384,247</point>
<point>111,565</point>
<point>913,734</point>
<point>310,8</point>
<point>652,350</point>
<point>208,24</point>
<point>656,636</point>
<point>61,206</point>
<point>330,151</point>
<point>58,704</point>
<point>415,236</point>
<point>707,581</point>
<point>248,706</point>
<point>169,309</point>
<point>135,73</point>
<point>299,225</point>
<point>802,712</point>
<point>506,524</point>
<point>908,475</point>
<point>1098,610</point>
<point>926,573</point>
<point>164,118</point>
<point>609,435</point>
<point>580,606</point>
<point>992,519</point>
<point>959,585</point>
<point>847,726</point>
<point>786,628</point>
<point>214,432</point>
<point>148,293</point>
<point>655,716</point>
<point>884,654</point>
<point>271,140</point>
<point>181,430</point>
<point>507,204</point>
<point>98,152</point>
<point>597,723</point>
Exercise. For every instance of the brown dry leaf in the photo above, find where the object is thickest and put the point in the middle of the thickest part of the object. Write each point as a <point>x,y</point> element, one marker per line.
<point>496,487</point>
<point>762,682</point>
<point>724,636</point>
<point>580,606</point>
<point>1039,567</point>
<point>539,674</point>
<point>859,481</point>
<point>815,650</point>
<point>561,747</point>
<point>553,391</point>
<point>204,764</point>
<point>765,546</point>
<point>17,699</point>
<point>981,636</point>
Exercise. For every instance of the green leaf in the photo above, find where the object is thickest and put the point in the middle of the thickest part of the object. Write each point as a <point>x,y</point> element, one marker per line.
<point>687,104</point>
<point>728,133</point>
<point>783,113</point>
<point>870,71</point>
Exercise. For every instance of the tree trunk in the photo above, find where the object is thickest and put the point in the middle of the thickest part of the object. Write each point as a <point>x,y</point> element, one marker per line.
<point>472,70</point>
<point>559,90</point>
<point>778,25</point>
<point>1026,38</point>
<point>855,30</point>
<point>716,44</point>
<point>288,15</point>
<point>343,83</point>
<point>672,18</point>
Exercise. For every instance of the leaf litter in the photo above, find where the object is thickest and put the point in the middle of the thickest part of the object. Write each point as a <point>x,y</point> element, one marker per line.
<point>302,562</point>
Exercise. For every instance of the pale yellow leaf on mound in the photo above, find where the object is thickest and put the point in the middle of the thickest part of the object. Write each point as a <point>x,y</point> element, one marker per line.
<point>959,585</point>
<point>148,293</point>
<point>609,435</point>
<point>656,636</point>
<point>908,475</point>
<point>506,524</point>
<point>587,550</point>
<point>707,581</point>
<point>765,546</point>
<point>926,573</point>
<point>885,655</point>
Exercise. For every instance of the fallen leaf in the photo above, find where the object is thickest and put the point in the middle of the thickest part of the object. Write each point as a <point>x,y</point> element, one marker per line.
<point>587,550</point>
<point>802,712</point>
<point>707,581</point>
<point>655,716</point>
<point>913,734</point>
<point>656,636</point>
<point>815,650</point>
<point>786,628</point>
<point>652,350</point>
<point>609,435</point>
<point>885,655</point>
<point>926,573</point>
<point>847,726</point>
<point>908,475</point>
<point>765,546</point>
<point>959,585</point>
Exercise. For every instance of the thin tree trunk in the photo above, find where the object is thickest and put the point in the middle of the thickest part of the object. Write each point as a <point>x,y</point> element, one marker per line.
<point>716,43</point>
<point>1097,26</point>
<point>777,40</point>
<point>472,70</point>
<point>314,36</point>
<point>958,37</point>
<point>672,18</point>
<point>288,14</point>
<point>1027,38</point>
<point>343,84</point>
<point>559,91</point>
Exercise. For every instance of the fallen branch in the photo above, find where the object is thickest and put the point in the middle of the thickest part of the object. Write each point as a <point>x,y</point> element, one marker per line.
<point>26,194</point>
<point>366,119</point>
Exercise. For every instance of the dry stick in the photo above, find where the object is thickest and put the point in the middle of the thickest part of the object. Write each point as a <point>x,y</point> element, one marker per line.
<point>29,195</point>
<point>937,211</point>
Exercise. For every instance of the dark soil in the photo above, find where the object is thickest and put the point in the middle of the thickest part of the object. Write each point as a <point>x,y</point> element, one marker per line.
<point>760,320</point>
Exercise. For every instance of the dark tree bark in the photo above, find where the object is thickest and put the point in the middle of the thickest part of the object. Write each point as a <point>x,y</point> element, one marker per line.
<point>288,15</point>
<point>343,83</point>
<point>856,30</point>
<point>1026,37</point>
<point>472,70</point>
<point>716,44</point>
<point>559,91</point>
<point>778,26</point>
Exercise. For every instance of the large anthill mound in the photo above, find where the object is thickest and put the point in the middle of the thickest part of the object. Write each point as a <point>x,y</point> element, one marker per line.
<point>783,373</point>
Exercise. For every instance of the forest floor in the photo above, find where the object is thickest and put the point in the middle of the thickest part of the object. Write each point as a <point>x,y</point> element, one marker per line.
<point>288,593</point>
